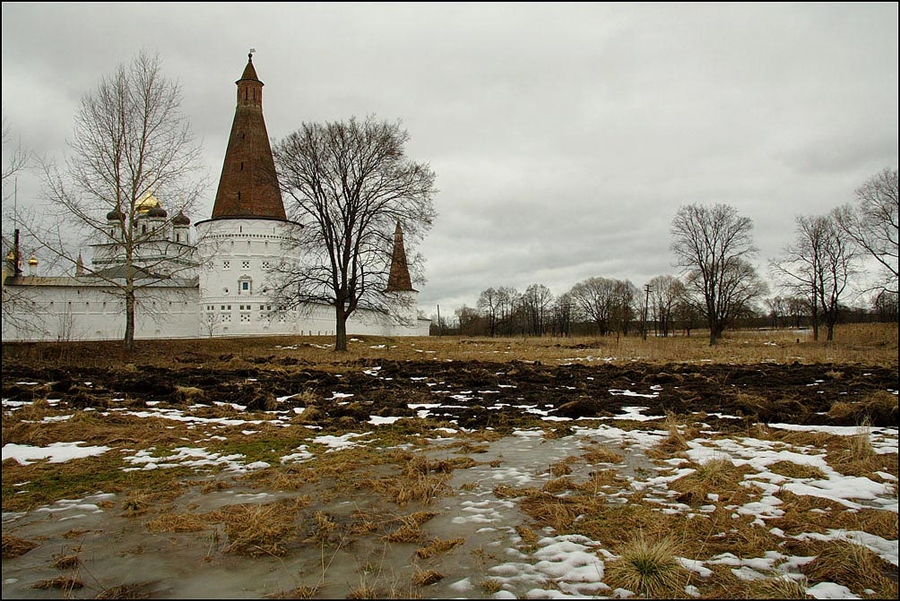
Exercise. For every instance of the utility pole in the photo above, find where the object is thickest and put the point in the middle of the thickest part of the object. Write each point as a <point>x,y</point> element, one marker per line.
<point>646,308</point>
<point>440,325</point>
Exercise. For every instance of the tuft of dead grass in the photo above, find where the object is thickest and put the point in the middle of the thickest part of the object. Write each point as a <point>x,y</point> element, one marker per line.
<point>718,475</point>
<point>66,584</point>
<point>782,587</point>
<point>561,512</point>
<point>675,442</point>
<point>301,592</point>
<point>648,568</point>
<point>136,590</point>
<point>419,480</point>
<point>15,547</point>
<point>256,530</point>
<point>427,577</point>
<point>177,522</point>
<point>66,562</point>
<point>850,565</point>
<point>601,455</point>
<point>879,406</point>
<point>796,470</point>
<point>438,546</point>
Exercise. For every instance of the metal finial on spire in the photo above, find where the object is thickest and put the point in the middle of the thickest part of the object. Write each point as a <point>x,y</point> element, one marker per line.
<point>250,54</point>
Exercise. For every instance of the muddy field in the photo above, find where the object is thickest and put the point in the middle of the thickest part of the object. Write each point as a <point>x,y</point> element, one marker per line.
<point>458,466</point>
<point>797,393</point>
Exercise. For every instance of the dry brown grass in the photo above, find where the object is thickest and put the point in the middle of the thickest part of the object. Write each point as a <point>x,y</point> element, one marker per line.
<point>438,546</point>
<point>561,512</point>
<point>601,455</point>
<point>854,343</point>
<point>177,522</point>
<point>850,565</point>
<point>717,475</point>
<point>776,588</point>
<point>136,590</point>
<point>301,592</point>
<point>854,455</point>
<point>256,530</point>
<point>66,584</point>
<point>879,403</point>
<point>14,546</point>
<point>427,577</point>
<point>676,442</point>
<point>420,480</point>
<point>648,568</point>
<point>796,470</point>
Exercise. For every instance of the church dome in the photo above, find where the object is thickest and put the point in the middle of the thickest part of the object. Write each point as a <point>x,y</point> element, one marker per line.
<point>180,219</point>
<point>157,211</point>
<point>115,215</point>
<point>149,201</point>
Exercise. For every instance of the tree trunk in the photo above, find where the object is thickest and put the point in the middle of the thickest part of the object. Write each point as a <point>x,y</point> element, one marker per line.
<point>129,320</point>
<point>340,327</point>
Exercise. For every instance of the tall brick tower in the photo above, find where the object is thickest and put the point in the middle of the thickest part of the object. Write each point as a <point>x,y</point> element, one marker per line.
<point>399,280</point>
<point>248,234</point>
<point>247,186</point>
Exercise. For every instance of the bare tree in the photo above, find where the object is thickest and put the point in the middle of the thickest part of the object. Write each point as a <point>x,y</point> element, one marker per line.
<point>17,157</point>
<point>777,307</point>
<point>665,290</point>
<point>626,303</point>
<point>561,315</point>
<point>489,305</point>
<point>468,319</point>
<point>873,224</point>
<point>130,142</point>
<point>711,246</point>
<point>536,302</point>
<point>818,267</point>
<point>509,304</point>
<point>594,298</point>
<point>351,183</point>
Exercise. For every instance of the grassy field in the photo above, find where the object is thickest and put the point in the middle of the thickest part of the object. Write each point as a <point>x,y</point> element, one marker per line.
<point>691,500</point>
<point>869,344</point>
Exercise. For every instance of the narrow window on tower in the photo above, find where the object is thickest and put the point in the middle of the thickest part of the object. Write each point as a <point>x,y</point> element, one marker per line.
<point>242,165</point>
<point>239,194</point>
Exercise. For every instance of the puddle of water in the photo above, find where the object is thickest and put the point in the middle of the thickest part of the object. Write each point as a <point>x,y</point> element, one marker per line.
<point>116,550</point>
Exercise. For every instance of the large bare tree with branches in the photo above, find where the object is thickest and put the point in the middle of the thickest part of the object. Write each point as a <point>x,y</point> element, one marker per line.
<point>711,245</point>
<point>818,267</point>
<point>872,223</point>
<point>351,183</point>
<point>130,140</point>
<point>595,300</point>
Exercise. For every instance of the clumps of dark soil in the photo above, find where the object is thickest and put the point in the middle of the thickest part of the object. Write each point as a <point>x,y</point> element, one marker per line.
<point>490,395</point>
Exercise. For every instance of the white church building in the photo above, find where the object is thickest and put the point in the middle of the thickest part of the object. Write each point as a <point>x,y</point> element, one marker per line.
<point>209,283</point>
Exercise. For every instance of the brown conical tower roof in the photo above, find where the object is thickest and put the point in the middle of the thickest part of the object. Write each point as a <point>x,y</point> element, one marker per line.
<point>399,280</point>
<point>248,186</point>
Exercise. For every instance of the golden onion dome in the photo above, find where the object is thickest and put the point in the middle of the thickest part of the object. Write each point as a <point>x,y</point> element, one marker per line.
<point>11,256</point>
<point>149,201</point>
<point>33,261</point>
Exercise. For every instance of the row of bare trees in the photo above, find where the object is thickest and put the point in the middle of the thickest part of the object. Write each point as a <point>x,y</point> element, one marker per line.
<point>719,286</point>
<point>830,250</point>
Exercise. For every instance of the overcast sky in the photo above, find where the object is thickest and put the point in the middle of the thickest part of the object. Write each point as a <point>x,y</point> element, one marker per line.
<point>564,137</point>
